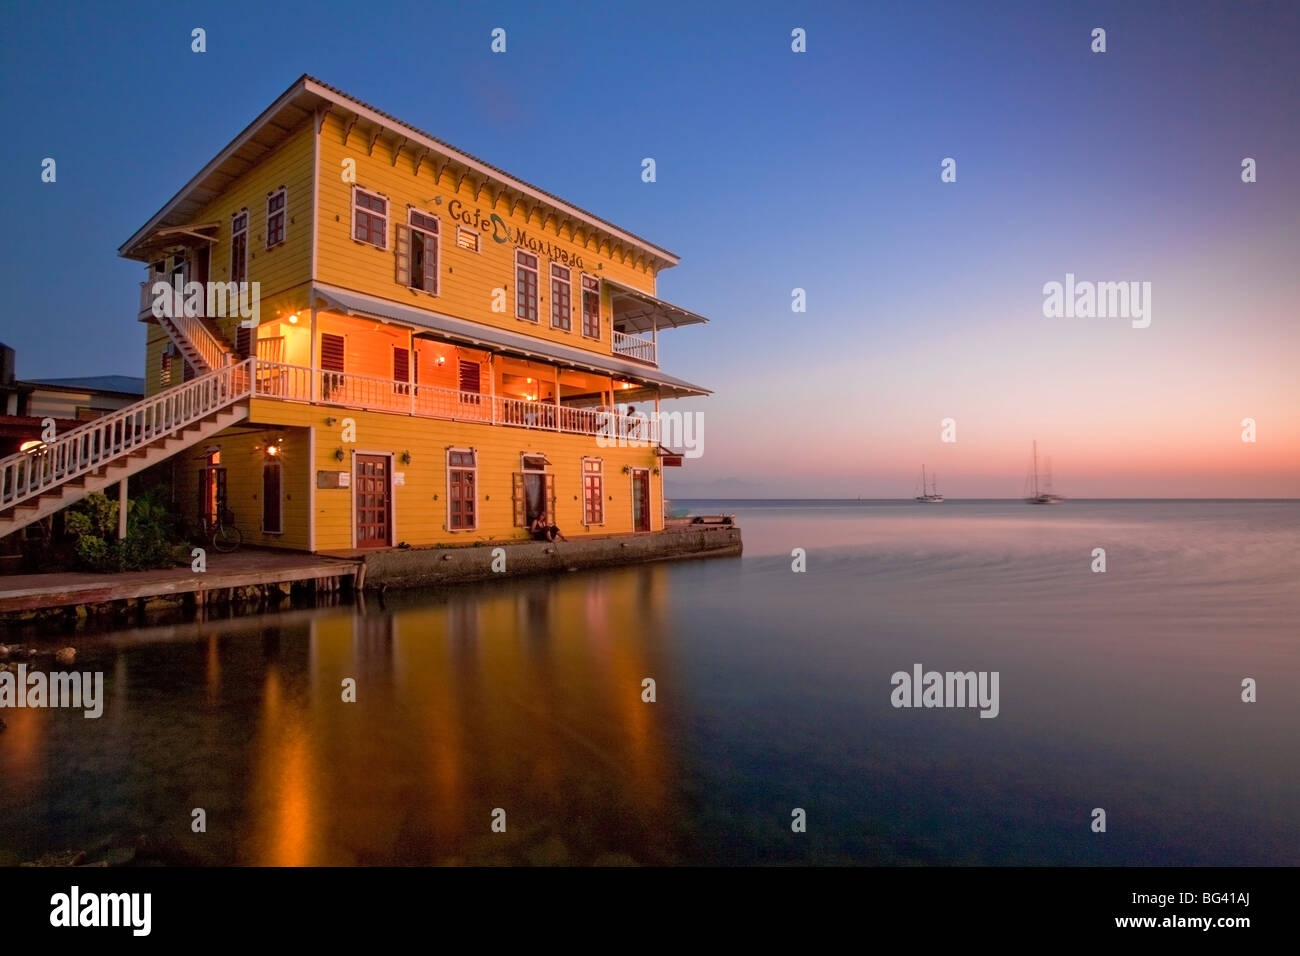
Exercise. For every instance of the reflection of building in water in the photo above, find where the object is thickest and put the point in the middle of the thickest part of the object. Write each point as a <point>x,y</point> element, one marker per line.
<point>527,698</point>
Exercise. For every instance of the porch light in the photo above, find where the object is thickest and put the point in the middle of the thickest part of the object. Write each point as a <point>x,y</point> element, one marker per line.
<point>293,319</point>
<point>273,450</point>
<point>442,359</point>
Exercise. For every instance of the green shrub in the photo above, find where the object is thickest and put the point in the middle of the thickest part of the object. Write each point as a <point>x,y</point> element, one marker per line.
<point>149,534</point>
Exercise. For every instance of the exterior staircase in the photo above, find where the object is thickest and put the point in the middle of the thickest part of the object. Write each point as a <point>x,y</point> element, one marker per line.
<point>102,452</point>
<point>199,342</point>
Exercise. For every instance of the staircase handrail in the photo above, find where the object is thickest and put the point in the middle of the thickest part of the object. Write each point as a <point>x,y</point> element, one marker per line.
<point>27,474</point>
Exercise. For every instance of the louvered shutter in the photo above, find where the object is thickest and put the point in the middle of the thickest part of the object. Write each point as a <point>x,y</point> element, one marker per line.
<point>402,254</point>
<point>429,281</point>
<point>521,519</point>
<point>243,340</point>
<point>401,364</point>
<point>550,500</point>
<point>469,377</point>
<point>331,352</point>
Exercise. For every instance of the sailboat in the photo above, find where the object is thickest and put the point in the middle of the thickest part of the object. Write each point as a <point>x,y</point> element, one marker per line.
<point>1044,495</point>
<point>933,497</point>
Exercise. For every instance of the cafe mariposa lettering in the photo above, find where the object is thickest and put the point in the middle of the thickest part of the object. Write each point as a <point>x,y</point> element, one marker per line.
<point>501,232</point>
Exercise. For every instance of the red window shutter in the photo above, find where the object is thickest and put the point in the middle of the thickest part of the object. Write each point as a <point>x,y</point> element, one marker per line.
<point>331,352</point>
<point>401,364</point>
<point>469,376</point>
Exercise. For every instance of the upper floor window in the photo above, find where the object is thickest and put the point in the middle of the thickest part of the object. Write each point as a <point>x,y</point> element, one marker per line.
<point>417,253</point>
<point>591,306</point>
<point>525,286</point>
<point>467,238</point>
<point>276,208</point>
<point>369,217</point>
<point>561,298</point>
<point>239,246</point>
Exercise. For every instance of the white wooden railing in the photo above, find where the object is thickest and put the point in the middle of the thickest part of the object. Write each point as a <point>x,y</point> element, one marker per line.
<point>296,383</point>
<point>88,447</point>
<point>640,347</point>
<point>192,328</point>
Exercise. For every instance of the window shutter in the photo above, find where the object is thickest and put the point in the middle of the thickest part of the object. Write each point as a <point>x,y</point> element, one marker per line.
<point>331,352</point>
<point>401,364</point>
<point>402,253</point>
<point>429,281</point>
<point>243,340</point>
<point>550,500</point>
<point>518,494</point>
<point>469,377</point>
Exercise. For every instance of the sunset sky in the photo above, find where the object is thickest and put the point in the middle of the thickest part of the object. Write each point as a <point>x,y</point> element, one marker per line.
<point>778,170</point>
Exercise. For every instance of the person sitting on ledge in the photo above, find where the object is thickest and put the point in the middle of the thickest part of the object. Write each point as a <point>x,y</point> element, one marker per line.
<point>545,532</point>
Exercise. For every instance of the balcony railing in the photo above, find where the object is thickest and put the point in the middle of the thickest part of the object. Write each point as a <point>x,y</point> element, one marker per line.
<point>639,347</point>
<point>296,383</point>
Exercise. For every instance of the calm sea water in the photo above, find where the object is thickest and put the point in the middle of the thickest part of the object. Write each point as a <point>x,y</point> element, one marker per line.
<point>1119,690</point>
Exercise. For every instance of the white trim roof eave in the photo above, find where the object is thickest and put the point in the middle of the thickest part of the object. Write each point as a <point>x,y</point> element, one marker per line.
<point>299,103</point>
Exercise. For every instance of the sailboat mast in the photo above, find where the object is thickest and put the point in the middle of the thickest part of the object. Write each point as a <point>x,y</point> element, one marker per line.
<point>1035,468</point>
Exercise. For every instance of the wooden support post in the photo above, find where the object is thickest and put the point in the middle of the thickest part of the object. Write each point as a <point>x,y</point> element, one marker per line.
<point>121,509</point>
<point>557,398</point>
<point>314,359</point>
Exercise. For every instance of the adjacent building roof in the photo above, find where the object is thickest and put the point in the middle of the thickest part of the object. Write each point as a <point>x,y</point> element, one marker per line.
<point>118,384</point>
<point>309,97</point>
<point>500,340</point>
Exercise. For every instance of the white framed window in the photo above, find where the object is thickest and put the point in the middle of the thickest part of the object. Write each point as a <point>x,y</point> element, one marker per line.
<point>561,297</point>
<point>593,491</point>
<point>590,306</point>
<point>462,489</point>
<point>277,216</point>
<point>369,217</point>
<point>467,239</point>
<point>525,286</point>
<point>239,246</point>
<point>417,252</point>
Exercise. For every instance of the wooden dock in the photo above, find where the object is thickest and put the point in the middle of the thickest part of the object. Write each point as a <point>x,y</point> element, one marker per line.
<point>228,576</point>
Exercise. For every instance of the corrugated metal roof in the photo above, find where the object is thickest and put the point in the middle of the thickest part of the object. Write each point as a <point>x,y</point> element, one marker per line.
<point>122,384</point>
<point>282,117</point>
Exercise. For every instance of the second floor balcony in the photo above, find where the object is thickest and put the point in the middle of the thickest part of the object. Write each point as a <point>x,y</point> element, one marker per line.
<point>295,383</point>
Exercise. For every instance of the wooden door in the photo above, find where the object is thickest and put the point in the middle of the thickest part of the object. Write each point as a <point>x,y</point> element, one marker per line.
<point>373,496</point>
<point>640,499</point>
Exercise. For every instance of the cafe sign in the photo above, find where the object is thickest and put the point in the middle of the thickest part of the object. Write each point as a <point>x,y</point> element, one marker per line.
<point>502,232</point>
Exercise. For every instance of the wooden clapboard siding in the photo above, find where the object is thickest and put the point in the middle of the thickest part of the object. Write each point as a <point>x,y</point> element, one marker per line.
<point>466,279</point>
<point>419,517</point>
<point>288,264</point>
<point>242,457</point>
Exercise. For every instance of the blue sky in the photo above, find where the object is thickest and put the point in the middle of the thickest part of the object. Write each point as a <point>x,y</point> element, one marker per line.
<point>775,170</point>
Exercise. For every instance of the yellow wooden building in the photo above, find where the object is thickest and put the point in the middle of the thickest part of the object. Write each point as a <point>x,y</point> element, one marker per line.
<point>427,350</point>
